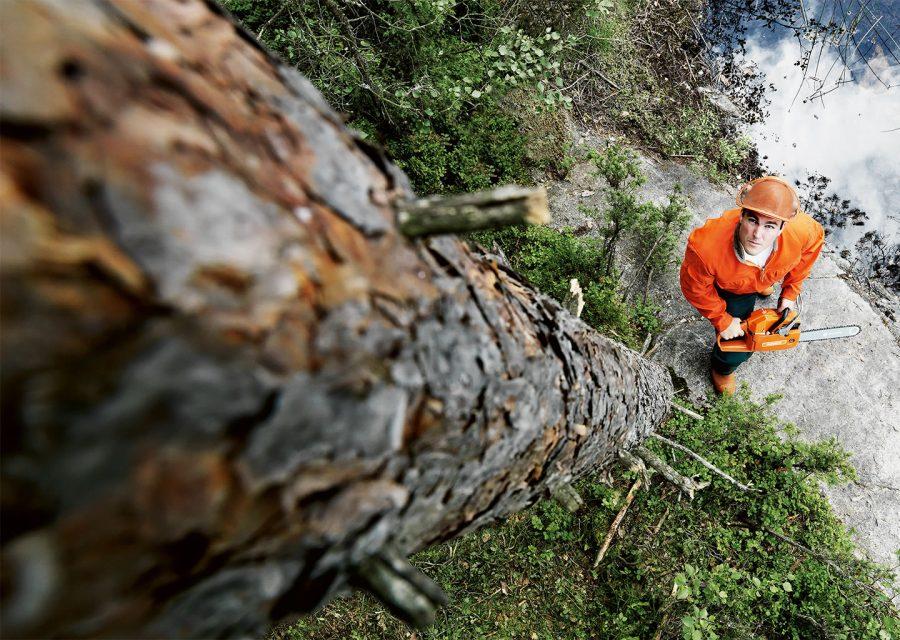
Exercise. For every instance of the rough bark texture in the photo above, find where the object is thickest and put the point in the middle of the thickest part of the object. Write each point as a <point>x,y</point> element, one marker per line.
<point>227,380</point>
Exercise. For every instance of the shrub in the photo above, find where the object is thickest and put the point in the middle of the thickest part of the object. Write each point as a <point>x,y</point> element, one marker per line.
<point>427,80</point>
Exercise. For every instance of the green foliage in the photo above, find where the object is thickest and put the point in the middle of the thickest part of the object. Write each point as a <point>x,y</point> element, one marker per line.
<point>531,61</point>
<point>549,259</point>
<point>464,154</point>
<point>428,79</point>
<point>619,167</point>
<point>655,228</point>
<point>553,521</point>
<point>703,569</point>
<point>697,133</point>
<point>411,73</point>
<point>624,212</point>
<point>660,231</point>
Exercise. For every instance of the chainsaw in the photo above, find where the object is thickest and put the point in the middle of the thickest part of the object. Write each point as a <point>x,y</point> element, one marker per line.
<point>769,330</point>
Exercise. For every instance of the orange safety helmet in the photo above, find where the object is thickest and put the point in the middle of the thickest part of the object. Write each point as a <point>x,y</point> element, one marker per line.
<point>770,196</point>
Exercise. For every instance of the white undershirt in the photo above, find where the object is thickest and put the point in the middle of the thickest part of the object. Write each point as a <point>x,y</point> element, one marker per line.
<point>760,258</point>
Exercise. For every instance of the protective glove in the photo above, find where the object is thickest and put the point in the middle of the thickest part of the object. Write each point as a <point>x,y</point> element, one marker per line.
<point>732,331</point>
<point>786,304</point>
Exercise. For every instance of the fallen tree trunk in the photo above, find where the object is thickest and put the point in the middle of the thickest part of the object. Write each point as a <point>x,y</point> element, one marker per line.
<point>230,386</point>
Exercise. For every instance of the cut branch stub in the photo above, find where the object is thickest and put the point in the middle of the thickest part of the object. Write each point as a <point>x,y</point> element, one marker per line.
<point>406,591</point>
<point>565,494</point>
<point>498,207</point>
<point>574,300</point>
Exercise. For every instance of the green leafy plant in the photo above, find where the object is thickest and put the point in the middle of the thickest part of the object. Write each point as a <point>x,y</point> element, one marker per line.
<point>707,568</point>
<point>427,79</point>
<point>549,259</point>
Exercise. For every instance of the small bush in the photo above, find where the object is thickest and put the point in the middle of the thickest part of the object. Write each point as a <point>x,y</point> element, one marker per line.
<point>549,259</point>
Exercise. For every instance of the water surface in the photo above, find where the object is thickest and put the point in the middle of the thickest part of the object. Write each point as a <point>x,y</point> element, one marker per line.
<point>841,117</point>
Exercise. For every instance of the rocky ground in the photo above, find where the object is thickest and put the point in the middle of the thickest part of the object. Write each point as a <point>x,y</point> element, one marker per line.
<point>848,388</point>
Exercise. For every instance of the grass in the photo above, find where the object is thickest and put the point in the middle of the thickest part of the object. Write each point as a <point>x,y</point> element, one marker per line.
<point>705,569</point>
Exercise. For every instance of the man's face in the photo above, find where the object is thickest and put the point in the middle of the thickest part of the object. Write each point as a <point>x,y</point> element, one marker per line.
<point>757,232</point>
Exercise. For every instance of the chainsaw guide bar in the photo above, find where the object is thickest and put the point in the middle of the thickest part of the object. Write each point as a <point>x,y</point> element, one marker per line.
<point>769,330</point>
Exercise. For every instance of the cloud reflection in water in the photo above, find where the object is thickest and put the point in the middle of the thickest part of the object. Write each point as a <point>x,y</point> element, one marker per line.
<point>844,135</point>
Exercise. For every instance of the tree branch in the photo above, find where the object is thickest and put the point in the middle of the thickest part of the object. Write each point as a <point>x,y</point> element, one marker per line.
<point>706,463</point>
<point>688,486</point>
<point>616,522</point>
<point>498,207</point>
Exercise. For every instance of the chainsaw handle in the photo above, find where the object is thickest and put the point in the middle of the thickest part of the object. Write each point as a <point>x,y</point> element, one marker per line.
<point>787,317</point>
<point>741,343</point>
<point>764,330</point>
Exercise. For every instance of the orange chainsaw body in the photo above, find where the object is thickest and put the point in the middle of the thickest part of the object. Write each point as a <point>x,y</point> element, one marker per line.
<point>765,330</point>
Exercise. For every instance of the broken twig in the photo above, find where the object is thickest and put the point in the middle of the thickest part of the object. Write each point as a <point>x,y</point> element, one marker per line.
<point>687,485</point>
<point>616,522</point>
<point>706,463</point>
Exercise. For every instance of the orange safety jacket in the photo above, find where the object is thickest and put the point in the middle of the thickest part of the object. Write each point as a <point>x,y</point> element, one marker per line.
<point>711,260</point>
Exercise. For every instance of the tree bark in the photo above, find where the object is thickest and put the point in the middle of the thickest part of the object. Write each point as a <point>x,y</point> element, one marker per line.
<point>228,381</point>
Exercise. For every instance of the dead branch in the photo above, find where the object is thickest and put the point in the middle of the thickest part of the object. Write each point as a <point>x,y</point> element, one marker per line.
<point>616,522</point>
<point>688,486</point>
<point>685,411</point>
<point>706,463</point>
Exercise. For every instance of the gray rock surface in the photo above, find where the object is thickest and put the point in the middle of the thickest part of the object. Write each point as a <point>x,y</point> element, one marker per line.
<point>848,388</point>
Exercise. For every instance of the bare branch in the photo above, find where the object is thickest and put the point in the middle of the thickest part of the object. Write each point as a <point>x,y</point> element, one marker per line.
<point>706,463</point>
<point>685,411</point>
<point>616,522</point>
<point>688,486</point>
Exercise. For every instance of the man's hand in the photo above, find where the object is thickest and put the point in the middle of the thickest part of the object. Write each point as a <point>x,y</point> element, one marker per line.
<point>786,304</point>
<point>733,330</point>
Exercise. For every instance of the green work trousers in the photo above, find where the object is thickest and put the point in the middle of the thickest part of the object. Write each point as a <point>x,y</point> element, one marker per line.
<point>739,305</point>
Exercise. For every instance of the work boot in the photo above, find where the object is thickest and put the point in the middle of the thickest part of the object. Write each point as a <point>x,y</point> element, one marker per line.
<point>765,293</point>
<point>724,384</point>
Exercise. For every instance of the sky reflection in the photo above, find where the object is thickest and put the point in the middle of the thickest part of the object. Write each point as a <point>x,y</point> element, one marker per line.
<point>851,134</point>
